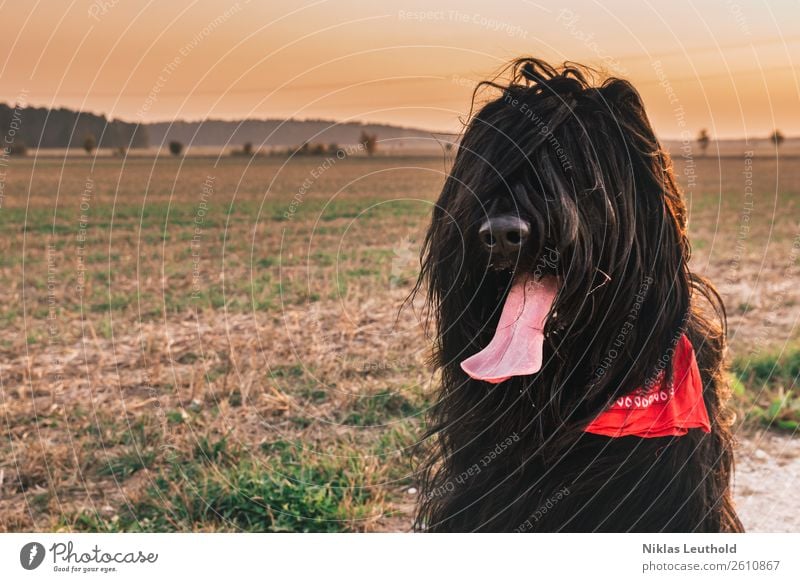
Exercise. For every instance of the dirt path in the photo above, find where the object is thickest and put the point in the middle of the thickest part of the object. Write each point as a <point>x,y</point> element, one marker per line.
<point>765,485</point>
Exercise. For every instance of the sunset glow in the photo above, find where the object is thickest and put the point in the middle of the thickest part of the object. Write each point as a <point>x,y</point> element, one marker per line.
<point>729,65</point>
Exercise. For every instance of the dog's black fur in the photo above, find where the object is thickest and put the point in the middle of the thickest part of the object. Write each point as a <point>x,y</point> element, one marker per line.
<point>580,162</point>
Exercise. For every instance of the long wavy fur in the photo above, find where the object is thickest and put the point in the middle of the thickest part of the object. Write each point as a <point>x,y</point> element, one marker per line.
<point>581,163</point>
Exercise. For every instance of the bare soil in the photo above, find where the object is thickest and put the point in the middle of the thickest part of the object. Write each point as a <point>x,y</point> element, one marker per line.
<point>765,484</point>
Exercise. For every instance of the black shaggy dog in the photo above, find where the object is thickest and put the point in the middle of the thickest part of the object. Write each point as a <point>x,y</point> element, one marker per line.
<point>564,177</point>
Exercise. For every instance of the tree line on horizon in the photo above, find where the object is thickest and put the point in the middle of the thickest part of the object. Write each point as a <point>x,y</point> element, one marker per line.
<point>36,127</point>
<point>32,127</point>
<point>39,127</point>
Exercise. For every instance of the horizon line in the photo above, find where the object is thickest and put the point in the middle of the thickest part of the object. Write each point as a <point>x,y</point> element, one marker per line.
<point>335,122</point>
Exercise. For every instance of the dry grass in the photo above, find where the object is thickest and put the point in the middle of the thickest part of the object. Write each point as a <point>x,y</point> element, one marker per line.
<point>253,370</point>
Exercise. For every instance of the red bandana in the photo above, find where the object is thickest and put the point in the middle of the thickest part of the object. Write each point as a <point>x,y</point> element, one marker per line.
<point>657,412</point>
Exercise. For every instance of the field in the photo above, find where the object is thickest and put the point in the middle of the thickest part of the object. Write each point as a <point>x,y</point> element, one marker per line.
<point>219,344</point>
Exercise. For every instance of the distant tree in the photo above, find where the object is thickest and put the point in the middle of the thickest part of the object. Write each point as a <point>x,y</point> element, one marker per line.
<point>89,143</point>
<point>175,148</point>
<point>318,149</point>
<point>247,148</point>
<point>703,139</point>
<point>369,141</point>
<point>122,151</point>
<point>18,148</point>
<point>333,149</point>
<point>777,138</point>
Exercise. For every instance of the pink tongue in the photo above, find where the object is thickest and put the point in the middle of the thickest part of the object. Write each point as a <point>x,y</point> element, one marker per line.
<point>516,348</point>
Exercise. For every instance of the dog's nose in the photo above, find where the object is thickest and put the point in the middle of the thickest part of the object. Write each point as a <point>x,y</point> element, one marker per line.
<point>503,236</point>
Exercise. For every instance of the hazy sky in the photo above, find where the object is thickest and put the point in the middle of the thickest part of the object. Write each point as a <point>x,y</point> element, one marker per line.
<point>729,66</point>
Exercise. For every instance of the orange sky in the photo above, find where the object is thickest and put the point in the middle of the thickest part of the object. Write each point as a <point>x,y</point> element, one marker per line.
<point>727,63</point>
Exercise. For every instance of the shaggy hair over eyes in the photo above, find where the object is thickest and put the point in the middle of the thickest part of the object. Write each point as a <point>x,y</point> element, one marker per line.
<point>579,161</point>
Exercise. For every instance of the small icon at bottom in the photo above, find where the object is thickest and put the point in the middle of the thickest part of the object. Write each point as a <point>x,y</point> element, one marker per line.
<point>31,555</point>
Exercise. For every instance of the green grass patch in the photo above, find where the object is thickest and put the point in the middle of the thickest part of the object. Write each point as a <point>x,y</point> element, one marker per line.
<point>289,489</point>
<point>765,388</point>
<point>379,408</point>
<point>126,464</point>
